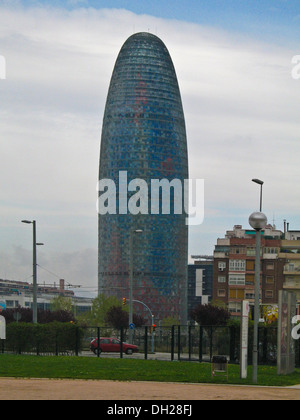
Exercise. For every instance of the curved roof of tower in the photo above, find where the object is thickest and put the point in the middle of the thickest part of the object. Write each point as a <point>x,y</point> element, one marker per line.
<point>145,37</point>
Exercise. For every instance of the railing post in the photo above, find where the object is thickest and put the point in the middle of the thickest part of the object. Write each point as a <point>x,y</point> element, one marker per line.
<point>98,341</point>
<point>146,343</point>
<point>77,339</point>
<point>190,342</point>
<point>200,343</point>
<point>211,342</point>
<point>121,345</point>
<point>56,344</point>
<point>178,341</point>
<point>172,341</point>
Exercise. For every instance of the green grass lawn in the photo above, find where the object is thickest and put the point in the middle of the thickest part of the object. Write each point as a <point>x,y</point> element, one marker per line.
<point>132,370</point>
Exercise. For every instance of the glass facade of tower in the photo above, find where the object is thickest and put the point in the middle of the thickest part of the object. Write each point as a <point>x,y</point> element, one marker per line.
<point>144,137</point>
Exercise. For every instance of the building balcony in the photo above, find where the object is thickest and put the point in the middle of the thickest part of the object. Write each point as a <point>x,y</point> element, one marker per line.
<point>291,286</point>
<point>289,255</point>
<point>220,254</point>
<point>223,241</point>
<point>295,272</point>
<point>290,244</point>
<point>270,256</point>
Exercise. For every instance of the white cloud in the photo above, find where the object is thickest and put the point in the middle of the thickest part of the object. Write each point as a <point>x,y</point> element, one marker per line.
<point>240,105</point>
<point>76,268</point>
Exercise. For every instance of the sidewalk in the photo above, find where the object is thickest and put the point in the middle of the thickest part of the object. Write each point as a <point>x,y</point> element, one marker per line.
<point>64,389</point>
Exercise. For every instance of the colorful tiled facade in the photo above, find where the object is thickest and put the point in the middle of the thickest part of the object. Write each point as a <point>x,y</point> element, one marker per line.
<point>144,137</point>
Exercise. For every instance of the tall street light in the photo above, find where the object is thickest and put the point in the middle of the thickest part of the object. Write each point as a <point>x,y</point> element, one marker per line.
<point>132,233</point>
<point>258,181</point>
<point>257,221</point>
<point>34,291</point>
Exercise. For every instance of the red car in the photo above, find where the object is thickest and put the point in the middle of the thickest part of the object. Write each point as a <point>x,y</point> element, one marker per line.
<point>112,345</point>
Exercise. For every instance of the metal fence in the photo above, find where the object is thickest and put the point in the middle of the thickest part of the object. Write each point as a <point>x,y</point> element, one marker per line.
<point>196,343</point>
<point>186,343</point>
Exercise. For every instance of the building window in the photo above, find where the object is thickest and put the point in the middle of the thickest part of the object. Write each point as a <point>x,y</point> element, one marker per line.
<point>235,307</point>
<point>250,265</point>
<point>236,279</point>
<point>269,294</point>
<point>251,252</point>
<point>222,265</point>
<point>250,279</point>
<point>238,250</point>
<point>270,266</point>
<point>237,265</point>
<point>221,279</point>
<point>236,294</point>
<point>221,292</point>
<point>270,279</point>
<point>271,250</point>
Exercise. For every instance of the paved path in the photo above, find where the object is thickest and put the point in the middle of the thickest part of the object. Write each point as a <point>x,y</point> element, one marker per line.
<point>64,389</point>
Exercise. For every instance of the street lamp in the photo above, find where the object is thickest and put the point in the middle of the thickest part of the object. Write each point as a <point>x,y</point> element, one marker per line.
<point>258,181</point>
<point>257,221</point>
<point>132,233</point>
<point>34,282</point>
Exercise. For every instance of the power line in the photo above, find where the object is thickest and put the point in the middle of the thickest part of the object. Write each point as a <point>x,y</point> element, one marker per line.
<point>59,277</point>
<point>50,272</point>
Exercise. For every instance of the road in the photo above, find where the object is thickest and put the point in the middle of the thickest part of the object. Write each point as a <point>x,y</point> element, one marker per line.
<point>150,356</point>
<point>154,356</point>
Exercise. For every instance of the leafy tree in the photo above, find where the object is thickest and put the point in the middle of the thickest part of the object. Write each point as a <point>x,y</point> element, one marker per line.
<point>61,303</point>
<point>210,315</point>
<point>117,318</point>
<point>101,305</point>
<point>169,321</point>
<point>138,320</point>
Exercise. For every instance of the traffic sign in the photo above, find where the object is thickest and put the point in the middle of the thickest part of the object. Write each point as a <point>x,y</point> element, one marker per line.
<point>131,326</point>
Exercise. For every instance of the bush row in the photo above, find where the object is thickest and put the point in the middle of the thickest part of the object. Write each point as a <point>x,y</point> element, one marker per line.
<point>54,337</point>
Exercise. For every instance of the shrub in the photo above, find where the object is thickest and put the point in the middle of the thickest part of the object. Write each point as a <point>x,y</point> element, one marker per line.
<point>43,316</point>
<point>55,337</point>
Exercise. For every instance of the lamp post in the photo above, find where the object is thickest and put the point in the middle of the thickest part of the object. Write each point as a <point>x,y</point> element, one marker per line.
<point>132,233</point>
<point>257,221</point>
<point>258,181</point>
<point>34,285</point>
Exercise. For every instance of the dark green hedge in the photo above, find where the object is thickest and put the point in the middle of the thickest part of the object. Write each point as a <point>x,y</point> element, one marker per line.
<point>55,337</point>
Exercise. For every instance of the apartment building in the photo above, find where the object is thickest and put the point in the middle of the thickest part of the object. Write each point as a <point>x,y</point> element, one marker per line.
<point>234,267</point>
<point>290,254</point>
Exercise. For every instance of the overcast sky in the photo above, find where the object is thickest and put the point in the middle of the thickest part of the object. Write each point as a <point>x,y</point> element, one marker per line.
<point>233,61</point>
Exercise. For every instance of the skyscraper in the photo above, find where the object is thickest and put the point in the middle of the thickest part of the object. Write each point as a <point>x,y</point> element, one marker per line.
<point>144,138</point>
